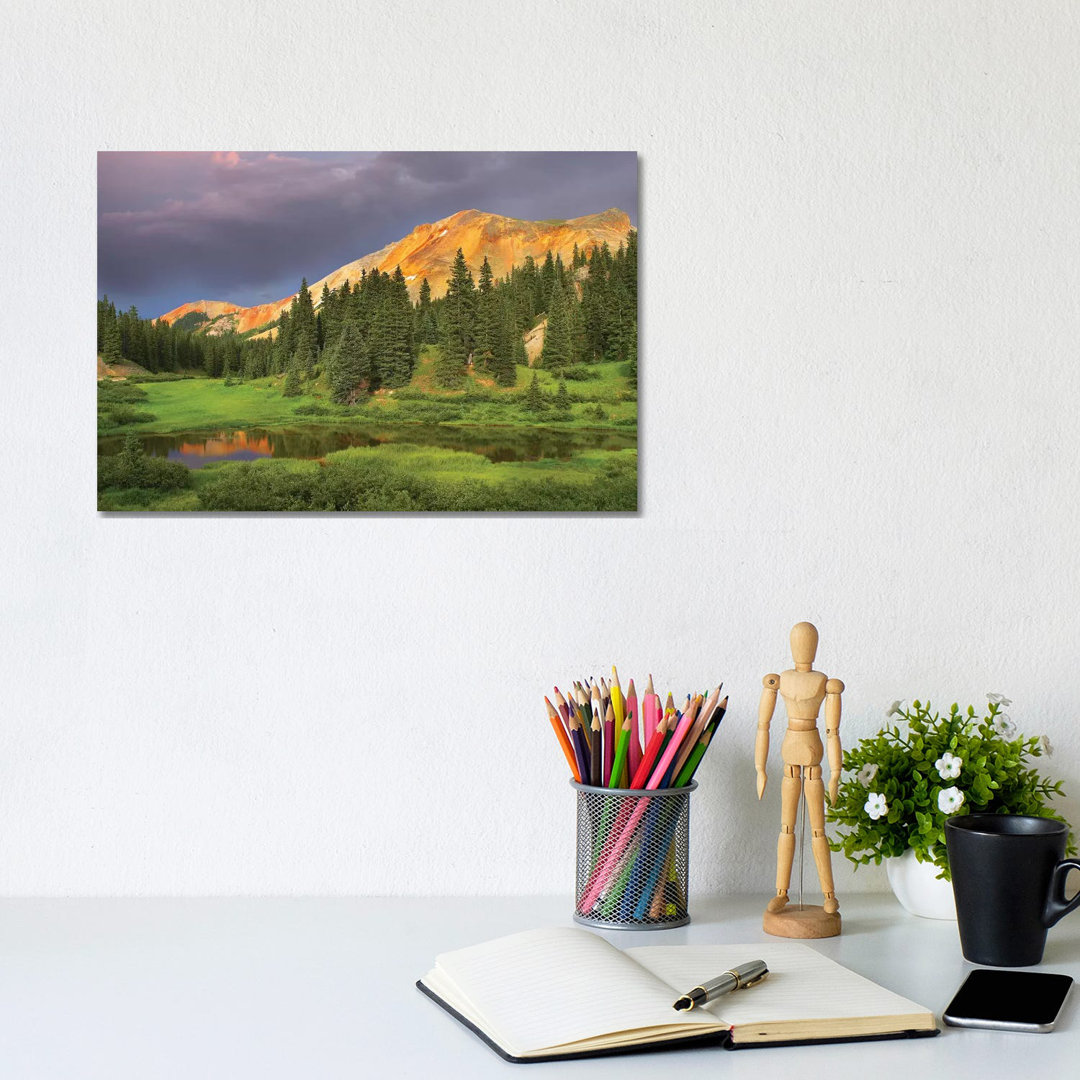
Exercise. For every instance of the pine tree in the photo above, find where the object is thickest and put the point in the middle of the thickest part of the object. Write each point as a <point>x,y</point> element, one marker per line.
<point>487,323</point>
<point>292,379</point>
<point>345,364</point>
<point>426,330</point>
<point>519,354</point>
<point>509,337</point>
<point>108,332</point>
<point>305,350</point>
<point>284,343</point>
<point>324,317</point>
<point>562,398</point>
<point>595,303</point>
<point>399,353</point>
<point>534,398</point>
<point>556,354</point>
<point>302,314</point>
<point>631,270</point>
<point>547,282</point>
<point>531,292</point>
<point>458,329</point>
<point>576,313</point>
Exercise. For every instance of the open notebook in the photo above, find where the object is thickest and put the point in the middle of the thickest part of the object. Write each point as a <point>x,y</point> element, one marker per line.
<point>562,992</point>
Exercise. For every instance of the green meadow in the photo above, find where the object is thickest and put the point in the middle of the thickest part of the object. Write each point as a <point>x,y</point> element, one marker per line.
<point>397,475</point>
<point>601,398</point>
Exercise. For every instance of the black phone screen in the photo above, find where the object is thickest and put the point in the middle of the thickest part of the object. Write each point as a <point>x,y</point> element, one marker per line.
<point>1015,999</point>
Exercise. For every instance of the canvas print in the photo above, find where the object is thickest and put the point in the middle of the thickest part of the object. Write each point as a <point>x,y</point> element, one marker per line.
<point>367,331</point>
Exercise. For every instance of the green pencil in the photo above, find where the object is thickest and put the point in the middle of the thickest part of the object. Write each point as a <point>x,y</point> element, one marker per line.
<point>622,749</point>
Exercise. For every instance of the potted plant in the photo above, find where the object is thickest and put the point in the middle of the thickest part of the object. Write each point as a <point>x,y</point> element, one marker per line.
<point>899,787</point>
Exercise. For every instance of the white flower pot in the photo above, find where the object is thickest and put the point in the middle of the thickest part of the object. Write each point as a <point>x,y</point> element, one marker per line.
<point>919,889</point>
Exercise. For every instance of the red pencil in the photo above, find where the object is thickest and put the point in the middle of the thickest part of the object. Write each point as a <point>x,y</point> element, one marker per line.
<point>648,758</point>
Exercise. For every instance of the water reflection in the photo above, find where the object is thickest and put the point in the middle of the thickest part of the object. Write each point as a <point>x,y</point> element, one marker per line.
<point>196,449</point>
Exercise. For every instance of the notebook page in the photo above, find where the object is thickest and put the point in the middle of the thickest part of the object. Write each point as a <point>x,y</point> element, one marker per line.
<point>545,988</point>
<point>802,984</point>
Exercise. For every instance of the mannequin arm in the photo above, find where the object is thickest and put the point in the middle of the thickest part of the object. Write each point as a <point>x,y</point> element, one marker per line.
<point>761,744</point>
<point>833,689</point>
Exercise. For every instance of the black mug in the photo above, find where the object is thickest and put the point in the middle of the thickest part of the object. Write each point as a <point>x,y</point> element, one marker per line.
<point>1008,877</point>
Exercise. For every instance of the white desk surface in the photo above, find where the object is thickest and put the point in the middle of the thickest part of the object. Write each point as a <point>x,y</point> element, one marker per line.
<point>324,988</point>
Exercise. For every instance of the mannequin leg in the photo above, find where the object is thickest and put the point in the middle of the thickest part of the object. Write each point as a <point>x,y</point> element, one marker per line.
<point>790,790</point>
<point>815,805</point>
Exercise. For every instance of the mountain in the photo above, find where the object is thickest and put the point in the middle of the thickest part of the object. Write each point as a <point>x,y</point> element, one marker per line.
<point>428,251</point>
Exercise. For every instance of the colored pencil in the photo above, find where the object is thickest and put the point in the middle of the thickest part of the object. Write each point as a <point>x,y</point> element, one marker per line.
<point>648,758</point>
<point>581,747</point>
<point>609,743</point>
<point>633,759</point>
<point>622,749</point>
<point>617,701</point>
<point>596,757</point>
<point>703,716</point>
<point>564,709</point>
<point>584,710</point>
<point>624,837</point>
<point>698,753</point>
<point>564,740</point>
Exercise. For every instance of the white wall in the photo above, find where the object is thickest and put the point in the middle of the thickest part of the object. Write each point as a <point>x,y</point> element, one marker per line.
<point>860,281</point>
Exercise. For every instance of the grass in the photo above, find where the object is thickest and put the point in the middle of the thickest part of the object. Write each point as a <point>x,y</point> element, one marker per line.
<point>208,404</point>
<point>195,404</point>
<point>398,477</point>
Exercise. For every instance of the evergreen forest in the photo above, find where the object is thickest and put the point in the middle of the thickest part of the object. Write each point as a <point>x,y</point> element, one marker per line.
<point>366,353</point>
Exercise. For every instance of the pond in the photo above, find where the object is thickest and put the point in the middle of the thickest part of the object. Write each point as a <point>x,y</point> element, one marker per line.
<point>198,448</point>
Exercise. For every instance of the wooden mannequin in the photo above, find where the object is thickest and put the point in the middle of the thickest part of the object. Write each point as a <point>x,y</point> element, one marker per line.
<point>803,691</point>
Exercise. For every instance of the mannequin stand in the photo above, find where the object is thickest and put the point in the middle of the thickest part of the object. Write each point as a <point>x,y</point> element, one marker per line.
<point>802,921</point>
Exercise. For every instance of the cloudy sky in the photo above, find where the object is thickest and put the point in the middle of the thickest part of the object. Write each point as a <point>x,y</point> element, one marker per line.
<point>244,227</point>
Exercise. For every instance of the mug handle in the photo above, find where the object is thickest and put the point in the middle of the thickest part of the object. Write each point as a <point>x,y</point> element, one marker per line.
<point>1056,905</point>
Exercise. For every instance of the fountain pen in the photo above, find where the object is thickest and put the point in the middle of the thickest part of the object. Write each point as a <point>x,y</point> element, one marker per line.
<point>738,978</point>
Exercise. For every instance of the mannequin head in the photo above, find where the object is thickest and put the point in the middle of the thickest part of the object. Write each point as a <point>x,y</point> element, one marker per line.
<point>804,641</point>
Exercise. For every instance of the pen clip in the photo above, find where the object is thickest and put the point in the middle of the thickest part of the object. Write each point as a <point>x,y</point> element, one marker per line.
<point>754,981</point>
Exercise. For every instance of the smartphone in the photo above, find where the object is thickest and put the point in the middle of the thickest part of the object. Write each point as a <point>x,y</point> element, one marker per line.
<point>1013,1000</point>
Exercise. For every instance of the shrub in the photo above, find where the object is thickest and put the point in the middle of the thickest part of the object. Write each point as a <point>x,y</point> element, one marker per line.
<point>133,468</point>
<point>118,415</point>
<point>903,783</point>
<point>580,373</point>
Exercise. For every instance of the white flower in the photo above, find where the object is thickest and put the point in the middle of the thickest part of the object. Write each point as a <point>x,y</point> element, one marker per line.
<point>876,806</point>
<point>895,709</point>
<point>998,699</point>
<point>1047,748</point>
<point>950,800</point>
<point>1003,725</point>
<point>948,766</point>
<point>866,774</point>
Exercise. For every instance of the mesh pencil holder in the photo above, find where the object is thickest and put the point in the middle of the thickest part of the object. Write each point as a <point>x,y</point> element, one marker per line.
<point>633,857</point>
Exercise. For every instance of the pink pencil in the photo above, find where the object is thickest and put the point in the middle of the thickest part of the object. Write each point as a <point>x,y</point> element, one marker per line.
<point>603,875</point>
<point>703,716</point>
<point>648,757</point>
<point>635,731</point>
